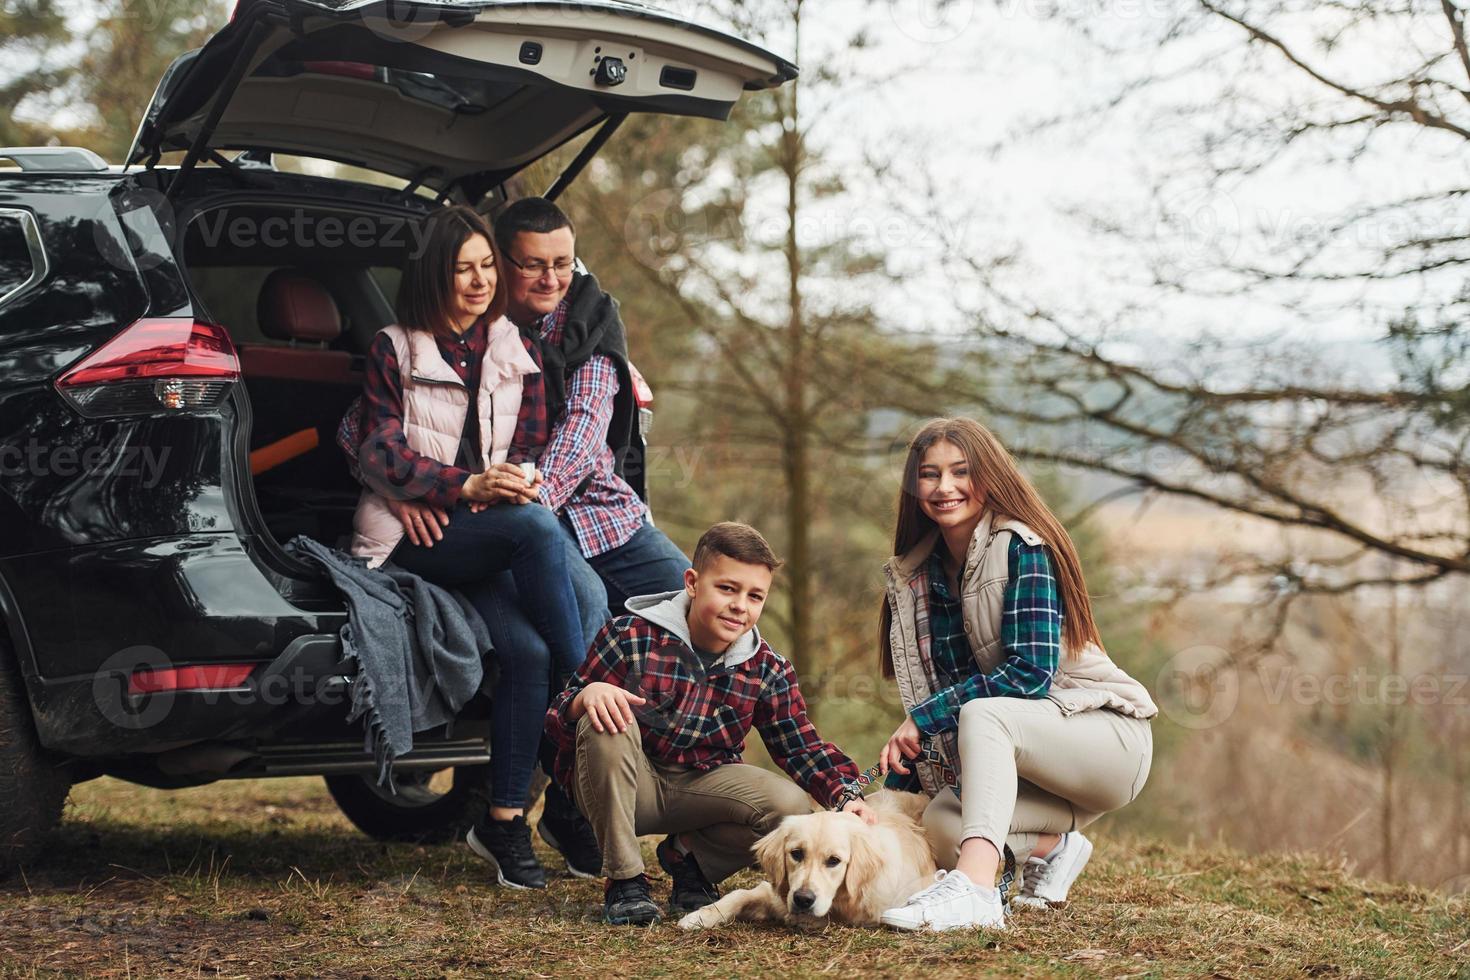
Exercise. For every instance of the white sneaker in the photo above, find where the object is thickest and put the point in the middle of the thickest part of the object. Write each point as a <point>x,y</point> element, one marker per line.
<point>1047,880</point>
<point>952,902</point>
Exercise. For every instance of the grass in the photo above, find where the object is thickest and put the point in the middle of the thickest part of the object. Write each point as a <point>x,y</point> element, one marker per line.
<point>260,879</point>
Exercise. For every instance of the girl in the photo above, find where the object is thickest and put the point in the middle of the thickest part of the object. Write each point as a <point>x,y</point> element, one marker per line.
<point>1020,724</point>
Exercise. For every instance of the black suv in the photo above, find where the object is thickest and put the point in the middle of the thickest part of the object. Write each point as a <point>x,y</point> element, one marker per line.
<point>178,343</point>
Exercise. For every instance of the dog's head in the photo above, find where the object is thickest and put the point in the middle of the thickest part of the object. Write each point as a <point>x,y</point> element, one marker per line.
<point>817,860</point>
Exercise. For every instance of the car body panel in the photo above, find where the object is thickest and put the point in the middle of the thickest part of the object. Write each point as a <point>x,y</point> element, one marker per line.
<point>93,615</point>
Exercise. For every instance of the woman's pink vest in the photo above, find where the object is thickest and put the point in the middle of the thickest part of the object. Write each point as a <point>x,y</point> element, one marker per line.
<point>435,401</point>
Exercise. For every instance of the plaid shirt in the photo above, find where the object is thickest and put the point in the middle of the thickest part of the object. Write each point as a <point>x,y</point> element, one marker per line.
<point>699,716</point>
<point>1031,636</point>
<point>384,459</point>
<point>577,466</point>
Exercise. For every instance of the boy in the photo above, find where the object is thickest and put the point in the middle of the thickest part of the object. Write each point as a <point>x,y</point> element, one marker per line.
<point>650,730</point>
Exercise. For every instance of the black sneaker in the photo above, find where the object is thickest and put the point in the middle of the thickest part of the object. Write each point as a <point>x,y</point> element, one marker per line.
<point>692,890</point>
<point>564,828</point>
<point>507,845</point>
<point>628,902</point>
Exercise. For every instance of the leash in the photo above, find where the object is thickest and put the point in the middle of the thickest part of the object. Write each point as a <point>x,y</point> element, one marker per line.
<point>870,774</point>
<point>1007,877</point>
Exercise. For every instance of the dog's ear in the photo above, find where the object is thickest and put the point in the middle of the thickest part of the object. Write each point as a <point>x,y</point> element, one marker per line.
<point>770,854</point>
<point>864,863</point>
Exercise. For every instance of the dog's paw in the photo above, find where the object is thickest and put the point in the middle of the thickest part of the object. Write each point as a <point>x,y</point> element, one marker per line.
<point>704,918</point>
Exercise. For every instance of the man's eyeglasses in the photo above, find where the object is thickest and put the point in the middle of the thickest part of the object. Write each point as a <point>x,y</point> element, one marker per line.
<point>535,269</point>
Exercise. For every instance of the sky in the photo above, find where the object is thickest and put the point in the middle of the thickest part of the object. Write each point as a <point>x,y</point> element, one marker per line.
<point>965,84</point>
<point>952,92</point>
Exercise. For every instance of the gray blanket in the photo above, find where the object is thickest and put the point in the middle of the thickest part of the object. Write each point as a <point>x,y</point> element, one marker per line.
<point>419,649</point>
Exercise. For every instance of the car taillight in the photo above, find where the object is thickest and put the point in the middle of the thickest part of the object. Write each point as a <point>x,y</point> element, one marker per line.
<point>641,391</point>
<point>155,366</point>
<point>643,395</point>
<point>206,677</point>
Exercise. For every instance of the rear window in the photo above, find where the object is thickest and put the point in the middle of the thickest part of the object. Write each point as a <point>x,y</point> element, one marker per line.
<point>229,294</point>
<point>229,252</point>
<point>18,245</point>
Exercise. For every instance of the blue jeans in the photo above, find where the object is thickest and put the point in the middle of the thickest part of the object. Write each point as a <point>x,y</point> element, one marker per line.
<point>647,563</point>
<point>496,557</point>
<point>511,630</point>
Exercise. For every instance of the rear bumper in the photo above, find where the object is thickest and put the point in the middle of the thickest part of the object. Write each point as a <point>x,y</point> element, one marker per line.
<point>91,616</point>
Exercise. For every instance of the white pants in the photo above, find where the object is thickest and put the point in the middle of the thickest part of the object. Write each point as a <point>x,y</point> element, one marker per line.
<point>1027,769</point>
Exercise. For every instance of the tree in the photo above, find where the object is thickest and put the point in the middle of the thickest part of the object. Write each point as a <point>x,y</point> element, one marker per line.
<point>88,71</point>
<point>31,32</point>
<point>1252,100</point>
<point>739,233</point>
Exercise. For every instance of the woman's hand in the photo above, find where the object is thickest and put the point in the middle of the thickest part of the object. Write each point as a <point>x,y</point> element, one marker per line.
<point>423,523</point>
<point>902,745</point>
<point>858,808</point>
<point>609,706</point>
<point>501,483</point>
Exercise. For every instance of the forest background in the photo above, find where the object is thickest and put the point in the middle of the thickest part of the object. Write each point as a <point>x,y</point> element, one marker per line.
<point>1201,264</point>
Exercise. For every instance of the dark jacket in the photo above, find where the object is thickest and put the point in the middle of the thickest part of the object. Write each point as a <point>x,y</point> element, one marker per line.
<point>593,326</point>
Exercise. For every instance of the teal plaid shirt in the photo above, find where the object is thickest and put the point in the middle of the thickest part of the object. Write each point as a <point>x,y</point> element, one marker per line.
<point>1031,637</point>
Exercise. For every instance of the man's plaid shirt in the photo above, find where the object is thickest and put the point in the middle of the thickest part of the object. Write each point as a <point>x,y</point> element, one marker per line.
<point>699,716</point>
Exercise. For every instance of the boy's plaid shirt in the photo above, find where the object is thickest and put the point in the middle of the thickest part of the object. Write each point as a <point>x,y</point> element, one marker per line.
<point>698,716</point>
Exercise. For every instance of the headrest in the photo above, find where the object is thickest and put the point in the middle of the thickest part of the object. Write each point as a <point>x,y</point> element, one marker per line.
<point>294,306</point>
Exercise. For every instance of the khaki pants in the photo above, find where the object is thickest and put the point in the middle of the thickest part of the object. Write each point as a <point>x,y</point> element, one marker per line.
<point>1026,769</point>
<point>722,812</point>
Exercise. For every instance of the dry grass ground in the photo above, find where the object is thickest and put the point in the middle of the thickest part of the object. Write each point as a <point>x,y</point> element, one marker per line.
<point>265,879</point>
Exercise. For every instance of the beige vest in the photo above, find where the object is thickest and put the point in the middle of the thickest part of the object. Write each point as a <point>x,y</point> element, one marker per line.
<point>1084,682</point>
<point>435,402</point>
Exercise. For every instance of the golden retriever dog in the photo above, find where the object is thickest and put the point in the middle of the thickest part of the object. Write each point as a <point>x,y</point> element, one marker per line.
<point>833,867</point>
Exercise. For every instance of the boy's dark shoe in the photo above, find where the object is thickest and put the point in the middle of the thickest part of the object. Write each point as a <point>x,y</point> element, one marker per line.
<point>564,828</point>
<point>692,890</point>
<point>507,845</point>
<point>628,902</point>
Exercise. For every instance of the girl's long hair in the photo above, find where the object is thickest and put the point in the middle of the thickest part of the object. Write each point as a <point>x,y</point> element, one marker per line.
<point>994,476</point>
<point>426,297</point>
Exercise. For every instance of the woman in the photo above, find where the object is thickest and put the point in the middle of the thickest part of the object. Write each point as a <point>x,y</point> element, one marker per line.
<point>451,402</point>
<point>1020,724</point>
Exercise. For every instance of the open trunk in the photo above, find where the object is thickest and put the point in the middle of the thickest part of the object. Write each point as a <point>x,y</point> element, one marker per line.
<point>299,373</point>
<point>452,95</point>
<point>302,289</point>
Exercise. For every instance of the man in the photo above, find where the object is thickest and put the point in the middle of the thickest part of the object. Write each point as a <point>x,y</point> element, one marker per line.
<point>592,454</point>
